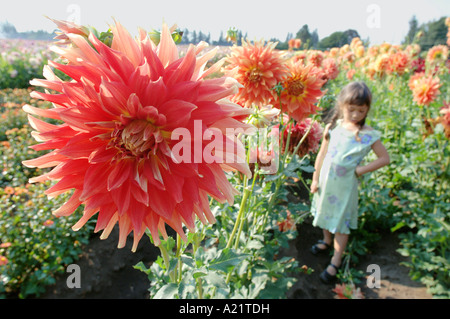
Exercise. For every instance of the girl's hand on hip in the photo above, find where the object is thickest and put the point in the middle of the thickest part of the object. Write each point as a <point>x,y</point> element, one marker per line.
<point>314,186</point>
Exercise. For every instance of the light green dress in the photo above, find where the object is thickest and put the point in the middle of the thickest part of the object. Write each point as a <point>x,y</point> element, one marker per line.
<point>335,204</point>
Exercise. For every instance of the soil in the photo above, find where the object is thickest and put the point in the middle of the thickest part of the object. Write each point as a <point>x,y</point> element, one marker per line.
<point>108,273</point>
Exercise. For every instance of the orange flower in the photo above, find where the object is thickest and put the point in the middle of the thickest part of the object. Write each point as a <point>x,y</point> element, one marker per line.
<point>48,223</point>
<point>350,73</point>
<point>9,190</point>
<point>330,69</point>
<point>301,90</point>
<point>287,224</point>
<point>294,43</point>
<point>349,291</point>
<point>3,260</point>
<point>316,58</point>
<point>398,63</point>
<point>437,54</point>
<point>5,144</point>
<point>5,245</point>
<point>425,89</point>
<point>258,68</point>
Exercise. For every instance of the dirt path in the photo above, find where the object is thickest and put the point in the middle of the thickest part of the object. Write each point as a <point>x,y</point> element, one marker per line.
<point>395,281</point>
<point>107,272</point>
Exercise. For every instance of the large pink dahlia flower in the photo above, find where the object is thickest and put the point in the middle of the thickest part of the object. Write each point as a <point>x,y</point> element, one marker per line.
<point>125,110</point>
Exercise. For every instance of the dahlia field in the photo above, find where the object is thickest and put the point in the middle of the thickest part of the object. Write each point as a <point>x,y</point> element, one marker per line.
<point>207,153</point>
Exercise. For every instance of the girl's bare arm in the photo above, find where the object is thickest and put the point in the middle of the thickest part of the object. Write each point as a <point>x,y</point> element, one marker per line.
<point>382,159</point>
<point>319,161</point>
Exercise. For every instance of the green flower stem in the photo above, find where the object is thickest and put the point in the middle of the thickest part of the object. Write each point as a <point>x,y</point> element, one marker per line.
<point>178,256</point>
<point>166,258</point>
<point>240,213</point>
<point>236,244</point>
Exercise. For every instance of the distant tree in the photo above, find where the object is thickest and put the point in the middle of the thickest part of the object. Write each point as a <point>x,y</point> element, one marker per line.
<point>434,33</point>
<point>413,28</point>
<point>314,39</point>
<point>304,35</point>
<point>8,30</point>
<point>338,39</point>
<point>194,37</point>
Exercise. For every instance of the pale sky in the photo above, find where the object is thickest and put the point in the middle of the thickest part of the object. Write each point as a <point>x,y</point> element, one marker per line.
<point>379,20</point>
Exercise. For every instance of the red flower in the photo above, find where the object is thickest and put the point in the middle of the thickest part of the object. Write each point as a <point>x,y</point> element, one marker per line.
<point>115,147</point>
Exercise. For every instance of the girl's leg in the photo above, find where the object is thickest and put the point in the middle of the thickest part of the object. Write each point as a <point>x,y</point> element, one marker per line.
<point>340,242</point>
<point>327,237</point>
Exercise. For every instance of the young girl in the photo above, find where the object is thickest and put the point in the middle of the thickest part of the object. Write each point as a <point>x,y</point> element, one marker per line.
<point>346,141</point>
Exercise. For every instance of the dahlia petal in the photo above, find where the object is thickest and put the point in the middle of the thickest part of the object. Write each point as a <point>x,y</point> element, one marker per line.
<point>121,197</point>
<point>204,203</point>
<point>40,125</point>
<point>177,112</point>
<point>182,70</point>
<point>95,180</point>
<point>59,99</point>
<point>155,93</point>
<point>124,230</point>
<point>89,53</point>
<point>48,160</point>
<point>104,216</point>
<point>201,63</point>
<point>80,146</point>
<point>123,42</point>
<point>65,184</point>
<point>167,50</point>
<point>49,113</point>
<point>160,205</point>
<point>102,154</point>
<point>109,227</point>
<point>84,219</point>
<point>70,206</point>
<point>137,217</point>
<point>119,174</point>
<point>51,85</point>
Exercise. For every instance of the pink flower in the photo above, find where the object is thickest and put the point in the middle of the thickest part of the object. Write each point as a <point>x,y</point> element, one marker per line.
<point>121,114</point>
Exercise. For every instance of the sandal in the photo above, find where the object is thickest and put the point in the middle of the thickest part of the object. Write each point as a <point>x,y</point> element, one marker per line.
<point>326,278</point>
<point>316,250</point>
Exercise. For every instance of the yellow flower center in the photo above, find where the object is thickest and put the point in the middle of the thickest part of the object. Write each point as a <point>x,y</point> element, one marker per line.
<point>295,87</point>
<point>255,75</point>
<point>138,138</point>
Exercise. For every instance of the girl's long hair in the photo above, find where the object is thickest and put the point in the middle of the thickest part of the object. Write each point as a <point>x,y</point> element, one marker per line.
<point>355,93</point>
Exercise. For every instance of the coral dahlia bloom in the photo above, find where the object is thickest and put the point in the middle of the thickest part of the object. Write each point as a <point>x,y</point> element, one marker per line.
<point>438,53</point>
<point>302,89</point>
<point>258,67</point>
<point>115,146</point>
<point>330,69</point>
<point>425,89</point>
<point>399,62</point>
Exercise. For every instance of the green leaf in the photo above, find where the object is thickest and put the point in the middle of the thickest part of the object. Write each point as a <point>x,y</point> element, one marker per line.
<point>167,292</point>
<point>227,259</point>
